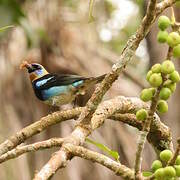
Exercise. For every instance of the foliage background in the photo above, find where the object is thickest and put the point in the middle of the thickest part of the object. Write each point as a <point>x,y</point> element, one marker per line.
<point>57,34</point>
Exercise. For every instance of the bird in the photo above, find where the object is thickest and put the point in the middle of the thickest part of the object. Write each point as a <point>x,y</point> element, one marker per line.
<point>57,89</point>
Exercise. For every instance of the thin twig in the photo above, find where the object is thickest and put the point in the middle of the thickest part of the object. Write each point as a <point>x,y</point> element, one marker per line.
<point>173,160</point>
<point>138,160</point>
<point>150,16</point>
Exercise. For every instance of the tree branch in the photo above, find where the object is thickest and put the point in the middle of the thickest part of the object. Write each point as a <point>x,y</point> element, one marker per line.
<point>173,160</point>
<point>119,104</point>
<point>163,5</point>
<point>158,133</point>
<point>54,142</point>
<point>106,110</point>
<point>78,136</point>
<point>38,127</point>
<point>82,152</point>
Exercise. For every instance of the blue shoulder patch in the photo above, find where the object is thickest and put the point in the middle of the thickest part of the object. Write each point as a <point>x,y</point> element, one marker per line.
<point>54,91</point>
<point>78,83</point>
<point>42,82</point>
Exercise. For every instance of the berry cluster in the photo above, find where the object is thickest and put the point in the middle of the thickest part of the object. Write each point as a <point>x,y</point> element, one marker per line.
<point>155,79</point>
<point>167,172</point>
<point>162,77</point>
<point>172,39</point>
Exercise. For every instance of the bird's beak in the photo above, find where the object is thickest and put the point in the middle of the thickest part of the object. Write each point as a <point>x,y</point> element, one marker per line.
<point>26,65</point>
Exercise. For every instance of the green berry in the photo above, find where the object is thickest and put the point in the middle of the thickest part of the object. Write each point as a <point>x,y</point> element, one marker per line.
<point>174,76</point>
<point>163,22</point>
<point>156,165</point>
<point>177,160</point>
<point>177,167</point>
<point>162,36</point>
<point>169,172</point>
<point>155,80</point>
<point>153,90</point>
<point>176,51</point>
<point>165,93</point>
<point>173,39</point>
<point>156,68</point>
<point>166,155</point>
<point>167,67</point>
<point>162,106</point>
<point>146,95</point>
<point>147,173</point>
<point>171,86</point>
<point>167,82</point>
<point>159,174</point>
<point>141,114</point>
<point>148,75</point>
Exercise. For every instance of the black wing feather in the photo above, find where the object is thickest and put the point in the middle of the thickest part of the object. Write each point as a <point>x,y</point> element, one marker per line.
<point>59,80</point>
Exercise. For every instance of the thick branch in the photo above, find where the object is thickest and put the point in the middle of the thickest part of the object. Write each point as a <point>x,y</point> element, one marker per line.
<point>54,142</point>
<point>163,5</point>
<point>82,152</point>
<point>159,135</point>
<point>119,104</point>
<point>105,110</point>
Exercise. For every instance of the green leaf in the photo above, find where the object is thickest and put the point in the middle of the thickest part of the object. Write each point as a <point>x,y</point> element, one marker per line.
<point>5,28</point>
<point>147,173</point>
<point>104,148</point>
<point>91,17</point>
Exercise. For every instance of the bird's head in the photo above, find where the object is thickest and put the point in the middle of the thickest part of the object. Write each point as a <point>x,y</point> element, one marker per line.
<point>35,70</point>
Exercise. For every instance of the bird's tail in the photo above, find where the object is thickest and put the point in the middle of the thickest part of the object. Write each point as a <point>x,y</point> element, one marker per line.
<point>100,78</point>
<point>95,80</point>
<point>89,82</point>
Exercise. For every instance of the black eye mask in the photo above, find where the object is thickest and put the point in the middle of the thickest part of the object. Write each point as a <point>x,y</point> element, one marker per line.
<point>34,68</point>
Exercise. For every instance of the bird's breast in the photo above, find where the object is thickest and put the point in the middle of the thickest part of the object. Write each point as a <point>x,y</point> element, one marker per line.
<point>55,91</point>
<point>60,99</point>
<point>56,96</point>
